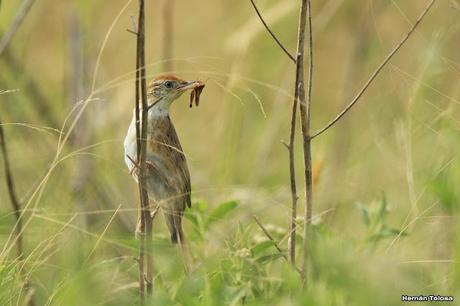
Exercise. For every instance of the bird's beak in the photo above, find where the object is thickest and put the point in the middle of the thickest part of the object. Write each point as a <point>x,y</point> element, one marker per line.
<point>189,85</point>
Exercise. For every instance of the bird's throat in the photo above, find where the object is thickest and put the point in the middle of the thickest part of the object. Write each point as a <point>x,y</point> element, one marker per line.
<point>159,108</point>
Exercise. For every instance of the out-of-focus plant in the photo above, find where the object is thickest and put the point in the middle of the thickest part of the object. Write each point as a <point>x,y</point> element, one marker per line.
<point>374,217</point>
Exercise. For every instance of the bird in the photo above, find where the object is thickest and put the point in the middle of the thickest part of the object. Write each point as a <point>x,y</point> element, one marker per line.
<point>168,176</point>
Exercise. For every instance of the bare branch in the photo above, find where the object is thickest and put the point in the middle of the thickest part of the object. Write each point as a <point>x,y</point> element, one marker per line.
<point>292,178</point>
<point>299,97</point>
<point>132,32</point>
<point>17,210</point>
<point>145,247</point>
<point>376,72</point>
<point>20,16</point>
<point>272,34</point>
<point>11,191</point>
<point>305,110</point>
<point>286,145</point>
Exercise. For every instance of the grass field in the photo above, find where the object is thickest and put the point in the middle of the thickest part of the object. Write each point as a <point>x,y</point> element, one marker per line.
<point>386,177</point>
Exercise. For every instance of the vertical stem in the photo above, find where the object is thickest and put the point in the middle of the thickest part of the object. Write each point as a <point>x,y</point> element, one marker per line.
<point>12,193</point>
<point>305,110</point>
<point>138,146</point>
<point>16,207</point>
<point>294,197</point>
<point>143,171</point>
<point>145,247</point>
<point>299,97</point>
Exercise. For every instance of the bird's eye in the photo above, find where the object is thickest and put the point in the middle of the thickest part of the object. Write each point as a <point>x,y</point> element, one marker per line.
<point>169,84</point>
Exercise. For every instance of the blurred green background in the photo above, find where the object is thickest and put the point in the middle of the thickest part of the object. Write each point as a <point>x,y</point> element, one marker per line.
<point>387,176</point>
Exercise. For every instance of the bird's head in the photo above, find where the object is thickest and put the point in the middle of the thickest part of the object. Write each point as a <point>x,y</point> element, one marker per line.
<point>163,90</point>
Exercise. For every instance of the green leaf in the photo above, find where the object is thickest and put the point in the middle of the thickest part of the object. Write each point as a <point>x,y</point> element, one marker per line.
<point>388,232</point>
<point>220,212</point>
<point>383,208</point>
<point>262,246</point>
<point>268,258</point>
<point>365,214</point>
<point>191,217</point>
<point>443,187</point>
<point>236,297</point>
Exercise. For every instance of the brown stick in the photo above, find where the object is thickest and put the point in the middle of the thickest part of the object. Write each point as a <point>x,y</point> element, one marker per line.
<point>142,226</point>
<point>20,15</point>
<point>292,179</point>
<point>11,192</point>
<point>16,206</point>
<point>298,92</point>
<point>299,97</point>
<point>375,73</point>
<point>271,33</point>
<point>141,134</point>
<point>305,114</point>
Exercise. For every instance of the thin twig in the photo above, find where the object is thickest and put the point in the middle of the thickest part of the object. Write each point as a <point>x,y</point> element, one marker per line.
<point>292,178</point>
<point>146,247</point>
<point>376,72</point>
<point>305,115</point>
<point>138,150</point>
<point>16,207</point>
<point>20,15</point>
<point>271,32</point>
<point>270,237</point>
<point>132,32</point>
<point>11,191</point>
<point>299,97</point>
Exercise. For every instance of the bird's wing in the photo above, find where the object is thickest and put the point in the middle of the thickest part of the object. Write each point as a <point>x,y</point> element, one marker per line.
<point>180,162</point>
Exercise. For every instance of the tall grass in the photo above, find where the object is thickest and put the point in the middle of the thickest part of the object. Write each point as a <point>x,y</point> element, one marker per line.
<point>385,227</point>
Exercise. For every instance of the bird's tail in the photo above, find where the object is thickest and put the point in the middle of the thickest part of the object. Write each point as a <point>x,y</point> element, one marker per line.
<point>174,222</point>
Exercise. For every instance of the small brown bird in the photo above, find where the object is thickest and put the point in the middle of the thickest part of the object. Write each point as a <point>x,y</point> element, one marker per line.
<point>168,177</point>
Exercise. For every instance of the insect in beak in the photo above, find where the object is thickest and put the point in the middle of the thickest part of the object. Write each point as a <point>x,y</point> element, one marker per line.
<point>196,87</point>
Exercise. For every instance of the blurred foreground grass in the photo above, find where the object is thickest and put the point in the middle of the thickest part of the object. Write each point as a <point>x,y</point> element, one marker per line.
<point>386,197</point>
